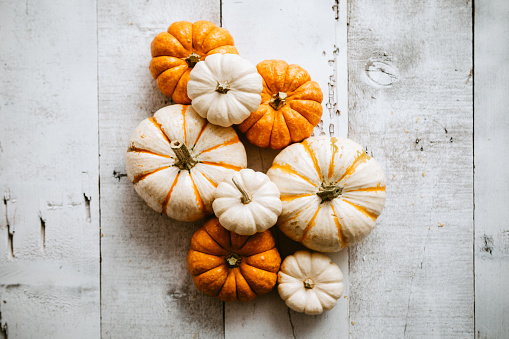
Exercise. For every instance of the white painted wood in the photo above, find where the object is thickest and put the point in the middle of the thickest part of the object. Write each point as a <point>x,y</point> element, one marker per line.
<point>147,291</point>
<point>49,218</point>
<point>491,177</point>
<point>308,34</point>
<point>410,85</point>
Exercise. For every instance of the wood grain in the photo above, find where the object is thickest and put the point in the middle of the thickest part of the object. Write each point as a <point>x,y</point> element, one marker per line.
<point>491,177</point>
<point>49,218</point>
<point>146,289</point>
<point>307,34</point>
<point>410,67</point>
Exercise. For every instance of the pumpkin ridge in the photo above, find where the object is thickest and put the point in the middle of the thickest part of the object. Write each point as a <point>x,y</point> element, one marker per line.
<point>205,124</point>
<point>310,224</point>
<point>361,209</point>
<point>312,155</point>
<point>140,177</point>
<point>232,141</point>
<point>334,151</point>
<point>222,164</point>
<point>199,199</point>
<point>228,272</point>
<point>363,156</point>
<point>160,128</point>
<point>205,38</point>
<point>247,283</point>
<point>339,227</point>
<point>168,196</point>
<point>288,169</point>
<point>135,149</point>
<point>183,111</point>
<point>377,188</point>
<point>210,180</point>
<point>290,197</point>
<point>218,244</point>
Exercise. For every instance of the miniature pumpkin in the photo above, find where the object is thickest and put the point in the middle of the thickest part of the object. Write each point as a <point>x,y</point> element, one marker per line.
<point>310,282</point>
<point>175,52</point>
<point>247,202</point>
<point>231,266</point>
<point>176,159</point>
<point>225,89</point>
<point>290,109</point>
<point>332,192</point>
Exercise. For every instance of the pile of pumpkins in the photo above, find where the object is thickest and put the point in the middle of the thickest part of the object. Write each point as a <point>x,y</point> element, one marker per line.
<point>188,162</point>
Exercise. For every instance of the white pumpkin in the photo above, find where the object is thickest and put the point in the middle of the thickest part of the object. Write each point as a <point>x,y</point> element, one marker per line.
<point>225,89</point>
<point>310,282</point>
<point>247,202</point>
<point>332,192</point>
<point>176,160</point>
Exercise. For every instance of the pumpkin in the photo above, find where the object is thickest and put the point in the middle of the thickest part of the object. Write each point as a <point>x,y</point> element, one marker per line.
<point>225,89</point>
<point>176,159</point>
<point>290,109</point>
<point>332,192</point>
<point>310,282</point>
<point>230,266</point>
<point>247,202</point>
<point>175,52</point>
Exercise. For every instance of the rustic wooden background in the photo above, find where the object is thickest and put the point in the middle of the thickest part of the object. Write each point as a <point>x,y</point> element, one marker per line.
<point>82,256</point>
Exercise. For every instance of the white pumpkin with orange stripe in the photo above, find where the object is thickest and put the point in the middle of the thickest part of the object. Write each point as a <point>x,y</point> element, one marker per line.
<point>176,160</point>
<point>332,192</point>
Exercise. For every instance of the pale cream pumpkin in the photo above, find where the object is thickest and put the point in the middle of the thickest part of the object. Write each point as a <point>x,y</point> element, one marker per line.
<point>247,202</point>
<point>310,282</point>
<point>176,159</point>
<point>225,89</point>
<point>332,192</point>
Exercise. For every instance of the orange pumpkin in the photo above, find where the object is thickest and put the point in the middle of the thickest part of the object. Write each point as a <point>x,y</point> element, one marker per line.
<point>231,266</point>
<point>175,52</point>
<point>291,106</point>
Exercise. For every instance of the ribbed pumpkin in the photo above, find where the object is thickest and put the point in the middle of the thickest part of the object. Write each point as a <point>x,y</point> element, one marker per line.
<point>176,160</point>
<point>175,52</point>
<point>231,266</point>
<point>290,109</point>
<point>332,192</point>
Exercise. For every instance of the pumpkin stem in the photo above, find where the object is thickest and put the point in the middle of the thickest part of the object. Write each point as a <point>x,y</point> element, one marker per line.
<point>245,199</point>
<point>192,59</point>
<point>278,100</point>
<point>185,160</point>
<point>309,283</point>
<point>233,260</point>
<point>329,192</point>
<point>222,87</point>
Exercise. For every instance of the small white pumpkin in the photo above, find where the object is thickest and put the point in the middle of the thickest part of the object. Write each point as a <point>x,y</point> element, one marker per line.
<point>176,159</point>
<point>310,282</point>
<point>247,202</point>
<point>225,89</point>
<point>332,192</point>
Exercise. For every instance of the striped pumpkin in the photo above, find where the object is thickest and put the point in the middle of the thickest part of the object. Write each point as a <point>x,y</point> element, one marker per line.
<point>332,192</point>
<point>176,159</point>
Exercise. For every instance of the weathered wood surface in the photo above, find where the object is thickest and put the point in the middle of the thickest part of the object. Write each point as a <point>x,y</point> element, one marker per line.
<point>146,290</point>
<point>410,69</point>
<point>67,67</point>
<point>49,218</point>
<point>491,243</point>
<point>315,39</point>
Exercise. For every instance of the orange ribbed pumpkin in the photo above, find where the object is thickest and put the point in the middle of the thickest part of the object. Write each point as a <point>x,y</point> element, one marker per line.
<point>175,52</point>
<point>231,266</point>
<point>291,106</point>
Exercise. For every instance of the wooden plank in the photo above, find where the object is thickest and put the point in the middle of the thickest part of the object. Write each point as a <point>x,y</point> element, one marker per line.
<point>146,288</point>
<point>49,219</point>
<point>308,34</point>
<point>491,178</point>
<point>410,69</point>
